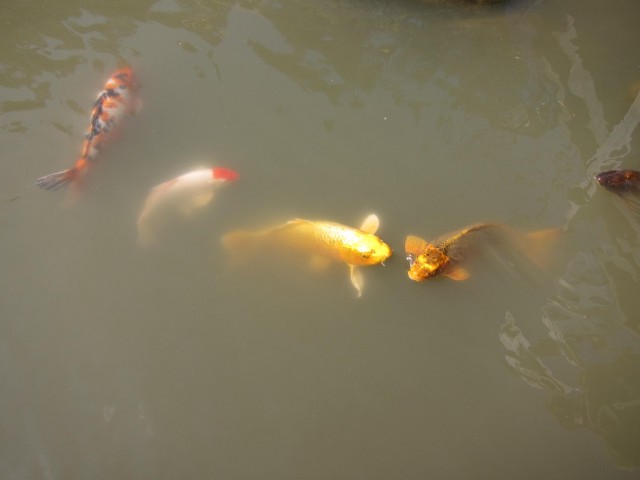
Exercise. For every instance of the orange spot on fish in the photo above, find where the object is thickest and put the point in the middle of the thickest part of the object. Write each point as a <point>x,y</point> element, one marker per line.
<point>221,173</point>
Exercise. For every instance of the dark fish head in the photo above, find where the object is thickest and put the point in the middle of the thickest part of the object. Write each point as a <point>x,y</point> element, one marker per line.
<point>427,264</point>
<point>618,181</point>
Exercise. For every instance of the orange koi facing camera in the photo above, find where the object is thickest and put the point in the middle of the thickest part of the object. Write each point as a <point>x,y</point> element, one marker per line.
<point>113,103</point>
<point>444,255</point>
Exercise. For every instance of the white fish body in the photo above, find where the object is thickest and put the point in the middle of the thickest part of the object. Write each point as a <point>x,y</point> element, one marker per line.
<point>182,195</point>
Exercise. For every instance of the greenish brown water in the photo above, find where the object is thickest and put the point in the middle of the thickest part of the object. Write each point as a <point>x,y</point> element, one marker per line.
<point>122,362</point>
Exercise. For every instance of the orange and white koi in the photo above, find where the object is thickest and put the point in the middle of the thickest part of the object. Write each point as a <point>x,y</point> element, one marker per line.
<point>113,103</point>
<point>323,240</point>
<point>182,195</point>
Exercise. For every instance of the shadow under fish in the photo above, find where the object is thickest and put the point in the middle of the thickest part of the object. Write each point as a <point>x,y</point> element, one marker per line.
<point>624,183</point>
<point>446,255</point>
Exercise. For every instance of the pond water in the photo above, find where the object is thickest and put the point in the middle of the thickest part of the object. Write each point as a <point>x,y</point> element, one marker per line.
<point>124,362</point>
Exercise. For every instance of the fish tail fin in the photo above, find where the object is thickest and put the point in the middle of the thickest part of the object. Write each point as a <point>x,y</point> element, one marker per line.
<point>146,238</point>
<point>539,246</point>
<point>240,244</point>
<point>632,203</point>
<point>58,180</point>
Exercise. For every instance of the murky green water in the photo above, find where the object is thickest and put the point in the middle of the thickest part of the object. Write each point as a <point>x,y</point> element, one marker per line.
<point>121,362</point>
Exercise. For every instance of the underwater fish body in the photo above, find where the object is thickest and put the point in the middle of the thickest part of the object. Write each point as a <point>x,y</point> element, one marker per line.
<point>619,181</point>
<point>624,183</point>
<point>443,256</point>
<point>327,240</point>
<point>117,100</point>
<point>182,195</point>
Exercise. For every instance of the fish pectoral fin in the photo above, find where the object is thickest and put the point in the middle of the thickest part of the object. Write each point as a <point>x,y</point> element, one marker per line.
<point>196,202</point>
<point>415,245</point>
<point>370,224</point>
<point>356,279</point>
<point>136,107</point>
<point>202,199</point>
<point>458,274</point>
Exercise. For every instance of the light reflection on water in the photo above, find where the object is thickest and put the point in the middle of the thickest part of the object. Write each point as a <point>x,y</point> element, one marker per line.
<point>162,361</point>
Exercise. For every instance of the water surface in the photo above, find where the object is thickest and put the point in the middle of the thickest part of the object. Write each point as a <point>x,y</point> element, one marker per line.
<point>121,362</point>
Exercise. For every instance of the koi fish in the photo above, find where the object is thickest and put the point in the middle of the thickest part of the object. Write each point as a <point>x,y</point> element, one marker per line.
<point>324,240</point>
<point>443,256</point>
<point>114,102</point>
<point>623,183</point>
<point>184,194</point>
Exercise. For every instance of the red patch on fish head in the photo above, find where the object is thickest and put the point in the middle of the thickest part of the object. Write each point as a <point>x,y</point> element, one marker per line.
<point>221,173</point>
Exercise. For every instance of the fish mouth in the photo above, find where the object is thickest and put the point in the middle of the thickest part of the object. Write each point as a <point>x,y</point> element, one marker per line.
<point>384,255</point>
<point>609,177</point>
<point>413,275</point>
<point>420,271</point>
<point>601,178</point>
<point>411,258</point>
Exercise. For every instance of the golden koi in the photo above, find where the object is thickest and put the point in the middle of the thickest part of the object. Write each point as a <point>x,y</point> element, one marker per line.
<point>183,194</point>
<point>328,240</point>
<point>443,256</point>
<point>114,102</point>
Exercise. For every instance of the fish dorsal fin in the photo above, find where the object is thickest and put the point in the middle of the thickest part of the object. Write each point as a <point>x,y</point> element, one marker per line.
<point>415,245</point>
<point>356,279</point>
<point>164,186</point>
<point>370,224</point>
<point>296,222</point>
<point>458,274</point>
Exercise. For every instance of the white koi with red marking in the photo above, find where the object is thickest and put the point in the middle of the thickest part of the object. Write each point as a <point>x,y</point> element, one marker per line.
<point>182,195</point>
<point>117,100</point>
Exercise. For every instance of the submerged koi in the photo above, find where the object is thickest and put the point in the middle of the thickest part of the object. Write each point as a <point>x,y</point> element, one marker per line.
<point>625,183</point>
<point>327,240</point>
<point>443,256</point>
<point>183,194</point>
<point>619,181</point>
<point>114,102</point>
